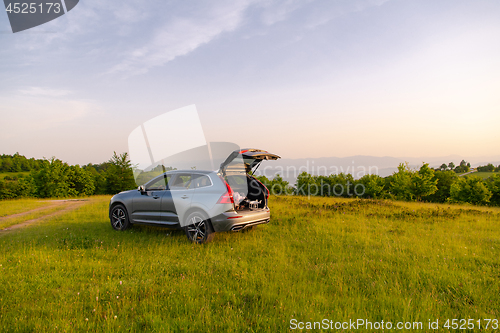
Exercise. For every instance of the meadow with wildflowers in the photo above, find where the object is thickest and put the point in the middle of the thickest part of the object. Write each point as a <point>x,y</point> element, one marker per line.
<point>319,258</point>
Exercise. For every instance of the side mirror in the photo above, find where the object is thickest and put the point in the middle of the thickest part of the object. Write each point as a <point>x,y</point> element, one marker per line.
<point>142,189</point>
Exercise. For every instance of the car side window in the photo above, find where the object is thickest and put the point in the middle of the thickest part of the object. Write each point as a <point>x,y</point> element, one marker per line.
<point>200,181</point>
<point>181,181</point>
<point>160,184</point>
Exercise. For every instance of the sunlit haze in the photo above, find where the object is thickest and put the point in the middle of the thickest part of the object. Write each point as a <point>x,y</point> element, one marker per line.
<point>302,78</point>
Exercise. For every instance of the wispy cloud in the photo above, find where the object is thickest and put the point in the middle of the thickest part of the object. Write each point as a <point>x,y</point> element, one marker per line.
<point>183,35</point>
<point>277,11</point>
<point>323,14</point>
<point>38,91</point>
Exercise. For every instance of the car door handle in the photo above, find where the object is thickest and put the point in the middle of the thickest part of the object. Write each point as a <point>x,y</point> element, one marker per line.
<point>156,197</point>
<point>185,197</point>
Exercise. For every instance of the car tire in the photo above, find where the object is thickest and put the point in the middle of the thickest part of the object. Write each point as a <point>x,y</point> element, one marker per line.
<point>198,228</point>
<point>119,218</point>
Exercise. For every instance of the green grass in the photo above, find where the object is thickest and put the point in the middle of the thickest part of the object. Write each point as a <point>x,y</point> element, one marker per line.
<point>16,206</point>
<point>339,259</point>
<point>483,175</point>
<point>7,222</point>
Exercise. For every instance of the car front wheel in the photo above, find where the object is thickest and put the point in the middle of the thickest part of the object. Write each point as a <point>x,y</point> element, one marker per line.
<point>198,229</point>
<point>119,218</point>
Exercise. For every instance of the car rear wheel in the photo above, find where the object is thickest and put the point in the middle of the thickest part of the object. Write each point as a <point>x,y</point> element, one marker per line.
<point>119,218</point>
<point>198,229</point>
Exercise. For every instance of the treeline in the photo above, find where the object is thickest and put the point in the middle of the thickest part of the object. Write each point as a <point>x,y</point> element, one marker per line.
<point>18,163</point>
<point>425,185</point>
<point>56,179</point>
<point>465,167</point>
<point>488,168</point>
<point>43,178</point>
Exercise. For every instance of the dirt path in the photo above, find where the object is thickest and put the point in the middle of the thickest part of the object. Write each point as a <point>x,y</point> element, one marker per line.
<point>53,203</point>
<point>69,205</point>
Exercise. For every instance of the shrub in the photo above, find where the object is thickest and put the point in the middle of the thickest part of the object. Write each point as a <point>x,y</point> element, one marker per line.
<point>471,190</point>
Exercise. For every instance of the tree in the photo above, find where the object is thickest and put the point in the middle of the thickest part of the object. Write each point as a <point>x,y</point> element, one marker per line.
<point>443,167</point>
<point>451,165</point>
<point>52,180</point>
<point>119,174</point>
<point>80,181</point>
<point>373,186</point>
<point>444,181</point>
<point>463,167</point>
<point>25,187</point>
<point>493,184</point>
<point>486,168</point>
<point>423,182</point>
<point>470,189</point>
<point>98,178</point>
<point>401,183</point>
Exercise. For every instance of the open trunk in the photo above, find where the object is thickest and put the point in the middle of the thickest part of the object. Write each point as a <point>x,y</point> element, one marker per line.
<point>248,192</point>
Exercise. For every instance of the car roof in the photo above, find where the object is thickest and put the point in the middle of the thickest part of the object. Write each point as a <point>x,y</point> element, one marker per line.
<point>172,172</point>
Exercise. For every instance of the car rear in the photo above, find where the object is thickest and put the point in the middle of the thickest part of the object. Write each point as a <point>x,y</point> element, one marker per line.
<point>247,195</point>
<point>253,210</point>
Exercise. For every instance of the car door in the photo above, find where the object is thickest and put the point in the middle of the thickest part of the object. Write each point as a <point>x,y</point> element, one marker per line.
<point>147,205</point>
<point>177,201</point>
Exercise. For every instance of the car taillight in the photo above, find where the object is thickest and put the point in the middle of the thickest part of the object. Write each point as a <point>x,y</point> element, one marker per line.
<point>226,198</point>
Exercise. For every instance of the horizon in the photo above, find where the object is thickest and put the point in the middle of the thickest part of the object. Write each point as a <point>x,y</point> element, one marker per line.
<point>433,161</point>
<point>377,78</point>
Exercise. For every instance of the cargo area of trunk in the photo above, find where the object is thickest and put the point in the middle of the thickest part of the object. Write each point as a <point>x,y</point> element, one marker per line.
<point>254,192</point>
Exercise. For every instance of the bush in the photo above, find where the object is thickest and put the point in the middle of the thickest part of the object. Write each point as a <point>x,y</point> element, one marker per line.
<point>52,180</point>
<point>486,168</point>
<point>493,184</point>
<point>444,181</point>
<point>374,186</point>
<point>470,190</point>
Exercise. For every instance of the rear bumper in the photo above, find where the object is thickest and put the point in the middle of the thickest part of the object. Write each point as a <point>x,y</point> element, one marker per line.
<point>236,221</point>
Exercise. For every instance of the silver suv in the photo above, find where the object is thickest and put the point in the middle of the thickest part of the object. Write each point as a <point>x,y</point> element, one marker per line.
<point>200,202</point>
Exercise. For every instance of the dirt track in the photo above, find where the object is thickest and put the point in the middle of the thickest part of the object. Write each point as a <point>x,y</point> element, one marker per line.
<point>69,205</point>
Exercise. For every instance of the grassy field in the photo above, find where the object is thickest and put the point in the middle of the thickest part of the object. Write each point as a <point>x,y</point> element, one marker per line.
<point>484,174</point>
<point>30,215</point>
<point>9,207</point>
<point>338,259</point>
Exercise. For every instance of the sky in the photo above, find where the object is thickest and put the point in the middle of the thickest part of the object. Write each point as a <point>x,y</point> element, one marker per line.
<point>297,78</point>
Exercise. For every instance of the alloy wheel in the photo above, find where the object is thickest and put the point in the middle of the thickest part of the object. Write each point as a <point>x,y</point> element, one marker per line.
<point>197,229</point>
<point>118,218</point>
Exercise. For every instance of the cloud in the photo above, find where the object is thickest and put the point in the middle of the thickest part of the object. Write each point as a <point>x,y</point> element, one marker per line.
<point>323,14</point>
<point>277,11</point>
<point>38,91</point>
<point>183,35</point>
